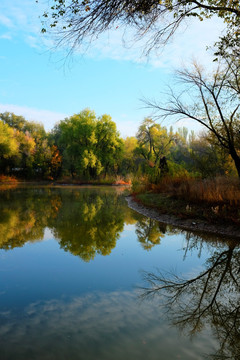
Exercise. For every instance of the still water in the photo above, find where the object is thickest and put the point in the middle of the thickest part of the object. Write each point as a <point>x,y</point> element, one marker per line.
<point>83,277</point>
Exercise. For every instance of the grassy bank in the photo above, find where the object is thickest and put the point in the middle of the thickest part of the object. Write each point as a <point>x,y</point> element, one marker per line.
<point>213,200</point>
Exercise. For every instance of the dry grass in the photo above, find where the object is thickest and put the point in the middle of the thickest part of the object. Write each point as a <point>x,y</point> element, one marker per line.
<point>122,181</point>
<point>217,191</point>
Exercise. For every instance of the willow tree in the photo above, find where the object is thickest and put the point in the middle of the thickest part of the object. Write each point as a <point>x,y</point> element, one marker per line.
<point>89,145</point>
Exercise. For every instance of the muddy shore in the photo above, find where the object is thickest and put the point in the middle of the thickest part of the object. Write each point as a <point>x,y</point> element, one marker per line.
<point>229,231</point>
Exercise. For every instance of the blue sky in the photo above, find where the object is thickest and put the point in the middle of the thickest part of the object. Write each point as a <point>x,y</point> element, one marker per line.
<point>42,85</point>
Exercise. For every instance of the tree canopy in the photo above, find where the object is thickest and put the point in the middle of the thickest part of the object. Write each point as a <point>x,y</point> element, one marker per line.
<point>154,143</point>
<point>25,148</point>
<point>77,21</point>
<point>8,142</point>
<point>89,145</point>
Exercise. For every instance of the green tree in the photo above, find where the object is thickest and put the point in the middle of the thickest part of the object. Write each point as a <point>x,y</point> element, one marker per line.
<point>89,145</point>
<point>14,121</point>
<point>109,145</point>
<point>153,145</point>
<point>208,159</point>
<point>8,144</point>
<point>24,159</point>
<point>180,151</point>
<point>76,139</point>
<point>130,159</point>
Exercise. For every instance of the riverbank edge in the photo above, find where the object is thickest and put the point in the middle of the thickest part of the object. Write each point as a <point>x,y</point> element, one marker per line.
<point>52,183</point>
<point>192,224</point>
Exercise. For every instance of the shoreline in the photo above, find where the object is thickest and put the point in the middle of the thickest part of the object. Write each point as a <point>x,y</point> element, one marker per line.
<point>184,224</point>
<point>55,183</point>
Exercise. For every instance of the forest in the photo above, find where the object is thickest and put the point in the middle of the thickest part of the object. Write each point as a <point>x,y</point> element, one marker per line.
<point>89,148</point>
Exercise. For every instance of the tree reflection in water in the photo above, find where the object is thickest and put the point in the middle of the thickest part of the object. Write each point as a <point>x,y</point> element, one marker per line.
<point>24,215</point>
<point>149,232</point>
<point>89,222</point>
<point>85,221</point>
<point>212,297</point>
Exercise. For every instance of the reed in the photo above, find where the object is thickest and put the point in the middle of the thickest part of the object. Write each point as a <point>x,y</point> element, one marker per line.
<point>220,190</point>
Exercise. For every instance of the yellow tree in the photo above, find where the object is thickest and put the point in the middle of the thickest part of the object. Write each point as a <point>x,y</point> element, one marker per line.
<point>130,159</point>
<point>153,145</point>
<point>8,144</point>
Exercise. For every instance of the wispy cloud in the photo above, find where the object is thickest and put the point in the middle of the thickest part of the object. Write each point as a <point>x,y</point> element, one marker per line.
<point>97,326</point>
<point>21,19</point>
<point>32,41</point>
<point>190,41</point>
<point>6,21</point>
<point>6,36</point>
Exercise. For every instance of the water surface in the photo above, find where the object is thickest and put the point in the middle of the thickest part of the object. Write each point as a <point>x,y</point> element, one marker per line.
<point>76,270</point>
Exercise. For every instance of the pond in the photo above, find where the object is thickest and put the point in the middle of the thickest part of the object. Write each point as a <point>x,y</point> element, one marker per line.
<point>82,276</point>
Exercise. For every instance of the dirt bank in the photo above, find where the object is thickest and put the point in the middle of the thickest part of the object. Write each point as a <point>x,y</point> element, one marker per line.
<point>228,230</point>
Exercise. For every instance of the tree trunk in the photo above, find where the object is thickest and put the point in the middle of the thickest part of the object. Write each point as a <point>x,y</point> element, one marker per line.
<point>236,160</point>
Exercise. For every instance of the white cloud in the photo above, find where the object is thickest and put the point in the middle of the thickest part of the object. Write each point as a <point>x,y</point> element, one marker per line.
<point>6,36</point>
<point>46,117</point>
<point>32,41</point>
<point>98,326</point>
<point>189,42</point>
<point>6,21</point>
<point>22,20</point>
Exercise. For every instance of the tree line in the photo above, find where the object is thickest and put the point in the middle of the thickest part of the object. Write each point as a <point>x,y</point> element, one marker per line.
<point>209,99</point>
<point>88,147</point>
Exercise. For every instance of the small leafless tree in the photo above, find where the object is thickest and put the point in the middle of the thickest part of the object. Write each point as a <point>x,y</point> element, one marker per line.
<point>212,101</point>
